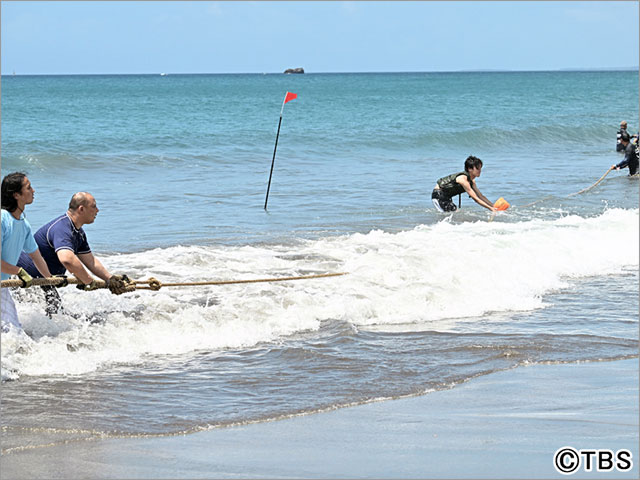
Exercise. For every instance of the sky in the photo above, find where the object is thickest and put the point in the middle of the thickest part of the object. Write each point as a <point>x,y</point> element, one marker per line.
<point>86,37</point>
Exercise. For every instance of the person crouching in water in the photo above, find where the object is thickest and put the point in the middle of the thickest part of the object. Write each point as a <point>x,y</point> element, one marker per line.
<point>457,183</point>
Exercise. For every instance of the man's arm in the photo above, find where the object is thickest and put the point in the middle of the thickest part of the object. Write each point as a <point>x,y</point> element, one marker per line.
<point>624,163</point>
<point>40,264</point>
<point>10,269</point>
<point>73,264</point>
<point>475,189</point>
<point>475,193</point>
<point>94,265</point>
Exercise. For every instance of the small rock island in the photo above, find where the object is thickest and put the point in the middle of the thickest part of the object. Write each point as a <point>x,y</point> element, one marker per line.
<point>294,70</point>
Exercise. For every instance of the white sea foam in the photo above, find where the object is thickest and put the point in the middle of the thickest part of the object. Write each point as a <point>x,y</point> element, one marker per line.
<point>430,274</point>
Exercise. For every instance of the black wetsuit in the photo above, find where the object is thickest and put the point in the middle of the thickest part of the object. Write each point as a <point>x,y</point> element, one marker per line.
<point>630,159</point>
<point>619,146</point>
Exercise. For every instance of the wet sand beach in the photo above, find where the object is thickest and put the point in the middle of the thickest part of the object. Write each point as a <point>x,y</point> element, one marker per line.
<point>504,425</point>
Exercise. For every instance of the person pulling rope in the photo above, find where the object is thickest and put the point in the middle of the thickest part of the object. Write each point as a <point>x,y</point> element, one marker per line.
<point>124,284</point>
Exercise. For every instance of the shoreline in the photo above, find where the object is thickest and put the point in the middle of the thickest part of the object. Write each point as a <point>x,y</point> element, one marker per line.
<point>504,425</point>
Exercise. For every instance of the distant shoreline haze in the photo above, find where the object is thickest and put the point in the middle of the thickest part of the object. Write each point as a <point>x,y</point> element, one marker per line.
<point>612,69</point>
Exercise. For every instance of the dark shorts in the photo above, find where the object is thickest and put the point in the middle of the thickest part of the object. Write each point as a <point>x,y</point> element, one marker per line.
<point>442,202</point>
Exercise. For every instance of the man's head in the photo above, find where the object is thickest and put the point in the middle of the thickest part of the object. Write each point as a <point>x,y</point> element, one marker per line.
<point>623,124</point>
<point>83,207</point>
<point>16,191</point>
<point>625,138</point>
<point>473,165</point>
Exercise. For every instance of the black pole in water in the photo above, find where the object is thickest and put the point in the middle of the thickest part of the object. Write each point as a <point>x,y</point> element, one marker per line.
<point>287,98</point>
<point>273,160</point>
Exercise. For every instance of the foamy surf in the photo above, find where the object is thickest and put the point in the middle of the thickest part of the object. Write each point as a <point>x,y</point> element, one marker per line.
<point>430,275</point>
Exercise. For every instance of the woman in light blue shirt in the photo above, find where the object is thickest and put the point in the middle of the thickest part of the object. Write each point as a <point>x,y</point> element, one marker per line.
<point>17,193</point>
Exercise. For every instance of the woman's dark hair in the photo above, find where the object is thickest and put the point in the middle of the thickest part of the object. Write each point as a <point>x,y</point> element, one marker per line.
<point>472,162</point>
<point>11,184</point>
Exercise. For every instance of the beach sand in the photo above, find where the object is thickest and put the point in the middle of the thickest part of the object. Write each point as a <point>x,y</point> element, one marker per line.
<point>504,425</point>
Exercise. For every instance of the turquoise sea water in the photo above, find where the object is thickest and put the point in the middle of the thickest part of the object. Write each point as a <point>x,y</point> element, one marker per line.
<point>355,150</point>
<point>179,166</point>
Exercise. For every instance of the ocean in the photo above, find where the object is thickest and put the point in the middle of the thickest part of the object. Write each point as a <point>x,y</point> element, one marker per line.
<point>179,166</point>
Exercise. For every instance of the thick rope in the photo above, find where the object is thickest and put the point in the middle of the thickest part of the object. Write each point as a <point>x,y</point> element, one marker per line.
<point>154,284</point>
<point>589,188</point>
<point>53,281</point>
<point>573,194</point>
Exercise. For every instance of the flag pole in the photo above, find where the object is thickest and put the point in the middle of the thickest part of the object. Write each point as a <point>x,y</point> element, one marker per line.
<point>287,97</point>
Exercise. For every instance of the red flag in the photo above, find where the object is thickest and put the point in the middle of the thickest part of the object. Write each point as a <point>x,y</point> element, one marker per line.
<point>290,96</point>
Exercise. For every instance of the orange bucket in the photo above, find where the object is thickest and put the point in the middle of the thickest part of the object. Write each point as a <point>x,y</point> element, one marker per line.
<point>501,204</point>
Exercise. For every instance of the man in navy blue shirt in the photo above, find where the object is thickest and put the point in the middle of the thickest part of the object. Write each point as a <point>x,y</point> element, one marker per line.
<point>64,247</point>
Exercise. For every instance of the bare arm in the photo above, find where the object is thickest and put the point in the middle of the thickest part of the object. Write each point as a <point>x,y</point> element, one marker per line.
<point>10,269</point>
<point>475,189</point>
<point>95,266</point>
<point>40,264</point>
<point>475,193</point>
<point>73,264</point>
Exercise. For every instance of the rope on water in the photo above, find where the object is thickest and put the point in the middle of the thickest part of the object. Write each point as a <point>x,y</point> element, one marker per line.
<point>154,284</point>
<point>573,194</point>
<point>157,285</point>
<point>589,188</point>
<point>537,201</point>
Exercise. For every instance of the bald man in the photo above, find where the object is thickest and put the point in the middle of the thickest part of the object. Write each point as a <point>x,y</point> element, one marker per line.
<point>64,247</point>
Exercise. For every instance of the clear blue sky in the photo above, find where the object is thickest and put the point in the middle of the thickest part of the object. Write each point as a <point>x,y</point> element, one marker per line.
<point>256,37</point>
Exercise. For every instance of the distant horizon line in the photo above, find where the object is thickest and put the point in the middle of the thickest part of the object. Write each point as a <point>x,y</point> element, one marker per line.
<point>578,69</point>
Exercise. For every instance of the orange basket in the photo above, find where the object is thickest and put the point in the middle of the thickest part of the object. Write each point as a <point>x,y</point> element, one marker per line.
<point>501,204</point>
